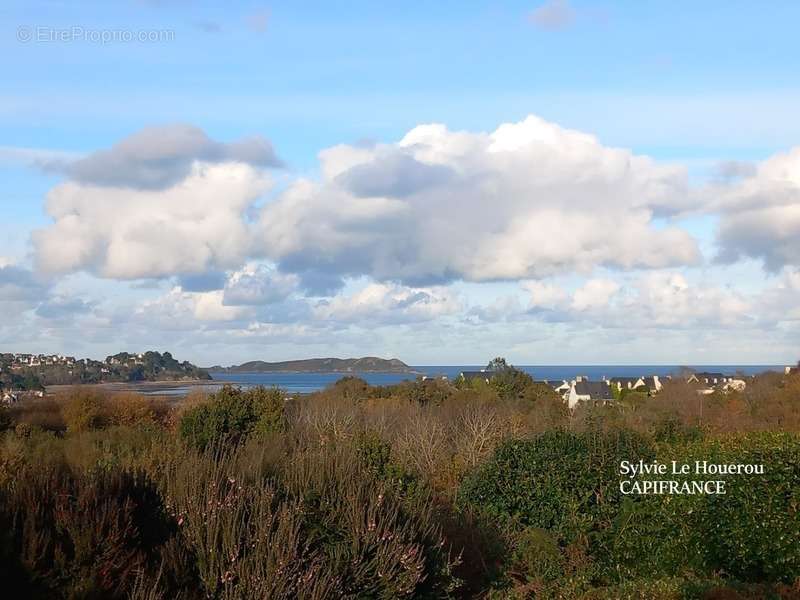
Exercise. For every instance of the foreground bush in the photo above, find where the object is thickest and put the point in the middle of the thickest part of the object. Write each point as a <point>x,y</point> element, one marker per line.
<point>751,533</point>
<point>560,481</point>
<point>83,536</point>
<point>231,415</point>
<point>82,410</point>
<point>321,528</point>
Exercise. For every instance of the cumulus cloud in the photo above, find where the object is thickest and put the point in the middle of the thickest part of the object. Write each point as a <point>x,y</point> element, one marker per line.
<point>388,304</point>
<point>545,295</point>
<point>159,157</point>
<point>553,15</point>
<point>652,300</point>
<point>258,284</point>
<point>178,309</point>
<point>760,213</point>
<point>595,293</point>
<point>528,200</point>
<point>194,226</point>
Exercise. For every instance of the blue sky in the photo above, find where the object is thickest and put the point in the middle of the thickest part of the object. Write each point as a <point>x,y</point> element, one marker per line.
<point>708,91</point>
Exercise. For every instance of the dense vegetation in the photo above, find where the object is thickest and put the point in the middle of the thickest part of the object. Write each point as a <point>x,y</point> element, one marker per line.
<point>424,490</point>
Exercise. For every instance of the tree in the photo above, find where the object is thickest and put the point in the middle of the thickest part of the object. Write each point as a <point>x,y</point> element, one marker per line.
<point>498,364</point>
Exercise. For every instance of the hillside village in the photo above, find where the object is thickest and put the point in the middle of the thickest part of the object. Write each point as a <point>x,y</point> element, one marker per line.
<point>22,374</point>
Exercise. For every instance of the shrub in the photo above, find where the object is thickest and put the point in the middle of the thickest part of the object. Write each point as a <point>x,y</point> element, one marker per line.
<point>82,410</point>
<point>750,533</point>
<point>560,481</point>
<point>323,527</point>
<point>5,419</point>
<point>231,415</point>
<point>537,556</point>
<point>84,536</point>
<point>130,409</point>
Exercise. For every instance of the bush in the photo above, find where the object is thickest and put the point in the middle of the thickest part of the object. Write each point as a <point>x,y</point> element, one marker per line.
<point>231,415</point>
<point>5,419</point>
<point>82,410</point>
<point>85,536</point>
<point>322,527</point>
<point>130,409</point>
<point>563,482</point>
<point>750,533</point>
<point>537,557</point>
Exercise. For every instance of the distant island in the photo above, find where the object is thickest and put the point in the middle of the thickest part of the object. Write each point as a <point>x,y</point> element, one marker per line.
<point>367,364</point>
<point>34,371</point>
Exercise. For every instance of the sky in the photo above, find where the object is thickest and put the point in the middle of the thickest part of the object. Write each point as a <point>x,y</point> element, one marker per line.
<point>558,182</point>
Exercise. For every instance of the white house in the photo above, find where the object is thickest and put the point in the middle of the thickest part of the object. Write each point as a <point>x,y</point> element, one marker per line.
<point>583,390</point>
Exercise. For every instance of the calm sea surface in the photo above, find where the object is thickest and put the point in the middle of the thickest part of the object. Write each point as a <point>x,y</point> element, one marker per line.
<point>312,382</point>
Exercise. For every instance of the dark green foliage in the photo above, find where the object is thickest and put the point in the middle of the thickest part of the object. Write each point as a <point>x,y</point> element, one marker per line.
<point>672,430</point>
<point>26,381</point>
<point>375,457</point>
<point>5,419</point>
<point>418,490</point>
<point>427,391</point>
<point>507,381</point>
<point>560,481</point>
<point>750,533</point>
<point>510,383</point>
<point>351,388</point>
<point>231,415</point>
<point>537,556</point>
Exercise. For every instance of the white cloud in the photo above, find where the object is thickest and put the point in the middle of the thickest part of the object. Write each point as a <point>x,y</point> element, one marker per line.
<point>124,233</point>
<point>178,309</point>
<point>545,295</point>
<point>383,304</point>
<point>257,284</point>
<point>760,213</point>
<point>529,200</point>
<point>595,293</point>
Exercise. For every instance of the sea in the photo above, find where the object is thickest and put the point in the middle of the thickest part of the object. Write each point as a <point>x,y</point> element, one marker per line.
<point>304,383</point>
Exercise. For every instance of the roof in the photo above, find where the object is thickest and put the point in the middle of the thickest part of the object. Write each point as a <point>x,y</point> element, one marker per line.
<point>596,390</point>
<point>650,381</point>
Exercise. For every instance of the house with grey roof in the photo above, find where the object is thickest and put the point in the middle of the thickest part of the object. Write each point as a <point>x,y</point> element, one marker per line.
<point>583,390</point>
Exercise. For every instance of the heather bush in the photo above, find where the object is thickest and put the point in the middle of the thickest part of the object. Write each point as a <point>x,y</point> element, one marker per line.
<point>87,535</point>
<point>322,527</point>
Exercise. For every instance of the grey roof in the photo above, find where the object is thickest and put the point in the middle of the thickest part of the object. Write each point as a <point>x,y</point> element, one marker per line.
<point>596,390</point>
<point>627,380</point>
